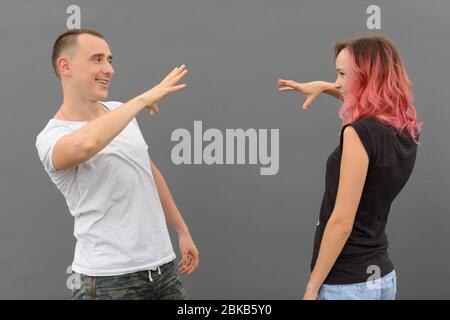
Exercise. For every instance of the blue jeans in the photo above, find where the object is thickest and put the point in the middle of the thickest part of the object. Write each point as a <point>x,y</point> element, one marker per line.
<point>384,288</point>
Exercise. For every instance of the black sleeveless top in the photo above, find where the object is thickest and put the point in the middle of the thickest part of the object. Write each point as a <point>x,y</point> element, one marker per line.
<point>391,161</point>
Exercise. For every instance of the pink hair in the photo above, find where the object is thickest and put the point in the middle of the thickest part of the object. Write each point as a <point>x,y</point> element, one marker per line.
<point>380,86</point>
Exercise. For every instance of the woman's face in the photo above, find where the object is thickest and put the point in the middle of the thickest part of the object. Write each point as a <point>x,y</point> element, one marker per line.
<point>342,82</point>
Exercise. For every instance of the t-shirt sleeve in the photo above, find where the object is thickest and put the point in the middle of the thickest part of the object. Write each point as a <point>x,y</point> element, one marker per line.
<point>45,142</point>
<point>364,134</point>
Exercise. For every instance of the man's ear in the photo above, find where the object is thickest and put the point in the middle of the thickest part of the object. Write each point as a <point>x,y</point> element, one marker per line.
<point>64,68</point>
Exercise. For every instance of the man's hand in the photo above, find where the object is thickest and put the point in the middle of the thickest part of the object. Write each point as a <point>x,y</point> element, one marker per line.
<point>152,97</point>
<point>189,254</point>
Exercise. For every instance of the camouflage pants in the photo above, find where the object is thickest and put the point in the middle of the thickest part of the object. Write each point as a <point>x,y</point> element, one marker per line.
<point>161,284</point>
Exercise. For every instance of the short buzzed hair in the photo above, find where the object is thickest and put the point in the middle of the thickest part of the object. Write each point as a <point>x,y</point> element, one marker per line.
<point>69,39</point>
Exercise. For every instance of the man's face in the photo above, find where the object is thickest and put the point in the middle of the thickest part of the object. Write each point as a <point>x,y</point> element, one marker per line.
<point>91,67</point>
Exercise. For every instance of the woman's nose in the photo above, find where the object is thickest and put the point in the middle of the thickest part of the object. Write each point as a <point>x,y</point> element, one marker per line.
<point>337,83</point>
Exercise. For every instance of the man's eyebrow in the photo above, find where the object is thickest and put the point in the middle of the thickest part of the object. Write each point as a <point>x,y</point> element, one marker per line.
<point>101,55</point>
<point>339,69</point>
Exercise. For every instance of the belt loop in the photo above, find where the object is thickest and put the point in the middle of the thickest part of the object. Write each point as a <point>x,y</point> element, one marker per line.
<point>159,270</point>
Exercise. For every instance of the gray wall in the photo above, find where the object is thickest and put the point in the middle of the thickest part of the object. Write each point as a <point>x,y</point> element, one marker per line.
<point>254,232</point>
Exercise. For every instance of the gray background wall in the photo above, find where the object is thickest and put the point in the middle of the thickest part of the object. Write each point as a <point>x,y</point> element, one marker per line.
<point>254,232</point>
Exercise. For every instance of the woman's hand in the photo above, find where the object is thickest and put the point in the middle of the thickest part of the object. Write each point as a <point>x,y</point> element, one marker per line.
<point>309,89</point>
<point>311,294</point>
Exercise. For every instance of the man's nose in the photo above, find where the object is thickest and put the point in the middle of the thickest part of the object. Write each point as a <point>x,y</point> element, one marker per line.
<point>109,70</point>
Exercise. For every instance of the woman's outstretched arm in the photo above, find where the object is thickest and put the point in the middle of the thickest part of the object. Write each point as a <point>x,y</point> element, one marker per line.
<point>309,89</point>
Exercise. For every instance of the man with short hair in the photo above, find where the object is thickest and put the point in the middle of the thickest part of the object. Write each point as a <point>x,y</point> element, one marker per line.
<point>95,154</point>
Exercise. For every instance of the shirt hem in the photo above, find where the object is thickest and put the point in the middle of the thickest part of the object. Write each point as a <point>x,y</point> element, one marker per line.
<point>105,273</point>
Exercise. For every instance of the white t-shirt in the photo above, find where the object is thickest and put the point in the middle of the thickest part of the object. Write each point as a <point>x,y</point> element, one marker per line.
<point>120,225</point>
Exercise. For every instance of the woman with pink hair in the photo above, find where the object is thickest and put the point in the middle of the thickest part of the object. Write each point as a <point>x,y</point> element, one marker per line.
<point>364,174</point>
